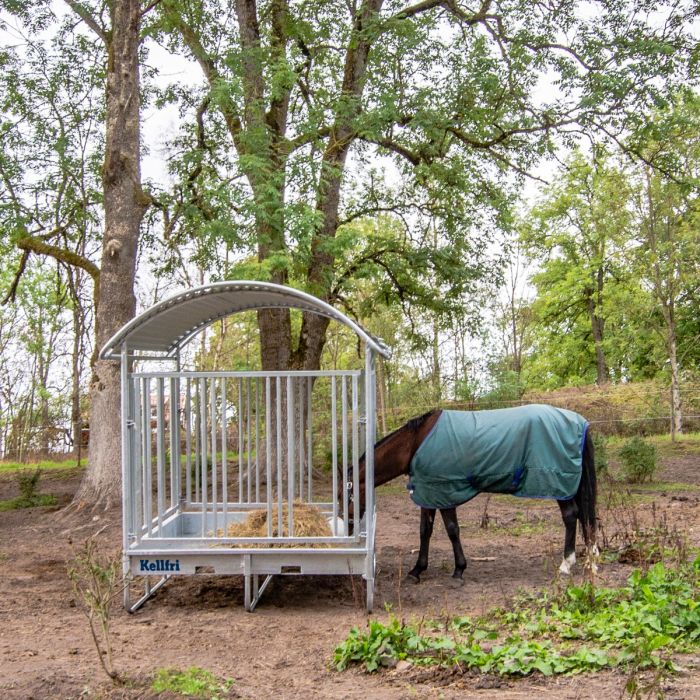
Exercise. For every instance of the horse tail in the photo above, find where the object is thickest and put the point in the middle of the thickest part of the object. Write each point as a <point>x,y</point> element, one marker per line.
<point>586,495</point>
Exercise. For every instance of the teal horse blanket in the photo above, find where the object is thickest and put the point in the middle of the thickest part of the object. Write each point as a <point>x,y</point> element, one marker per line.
<point>531,451</point>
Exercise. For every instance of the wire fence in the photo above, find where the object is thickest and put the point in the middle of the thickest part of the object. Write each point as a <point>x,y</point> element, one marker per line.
<point>621,410</point>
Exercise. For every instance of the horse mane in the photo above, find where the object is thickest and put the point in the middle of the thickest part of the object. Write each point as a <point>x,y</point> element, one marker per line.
<point>412,425</point>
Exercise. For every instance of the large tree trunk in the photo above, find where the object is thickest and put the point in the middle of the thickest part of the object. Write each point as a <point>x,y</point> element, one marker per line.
<point>597,328</point>
<point>595,305</point>
<point>124,206</point>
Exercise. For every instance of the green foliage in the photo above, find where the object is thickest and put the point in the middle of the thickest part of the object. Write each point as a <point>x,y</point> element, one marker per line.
<point>194,682</point>
<point>584,629</point>
<point>600,450</point>
<point>39,500</point>
<point>28,482</point>
<point>639,460</point>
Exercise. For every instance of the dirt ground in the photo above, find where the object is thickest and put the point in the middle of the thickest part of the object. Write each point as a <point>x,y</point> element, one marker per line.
<point>284,648</point>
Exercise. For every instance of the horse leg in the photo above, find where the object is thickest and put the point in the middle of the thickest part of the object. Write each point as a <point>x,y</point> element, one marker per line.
<point>569,513</point>
<point>449,518</point>
<point>427,520</point>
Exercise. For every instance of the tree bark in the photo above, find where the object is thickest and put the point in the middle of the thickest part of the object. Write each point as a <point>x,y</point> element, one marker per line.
<point>124,207</point>
<point>672,348</point>
<point>342,135</point>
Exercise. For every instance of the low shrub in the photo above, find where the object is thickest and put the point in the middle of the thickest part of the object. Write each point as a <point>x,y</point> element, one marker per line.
<point>639,460</point>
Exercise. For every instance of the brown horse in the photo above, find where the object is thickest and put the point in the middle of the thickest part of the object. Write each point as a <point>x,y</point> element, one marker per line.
<point>394,453</point>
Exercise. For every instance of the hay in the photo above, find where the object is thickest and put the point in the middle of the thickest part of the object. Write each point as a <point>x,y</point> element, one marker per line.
<point>309,521</point>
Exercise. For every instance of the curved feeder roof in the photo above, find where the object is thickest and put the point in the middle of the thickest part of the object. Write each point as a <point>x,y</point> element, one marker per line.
<point>170,324</point>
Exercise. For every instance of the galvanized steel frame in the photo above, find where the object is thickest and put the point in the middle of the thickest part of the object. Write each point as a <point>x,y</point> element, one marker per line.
<point>161,528</point>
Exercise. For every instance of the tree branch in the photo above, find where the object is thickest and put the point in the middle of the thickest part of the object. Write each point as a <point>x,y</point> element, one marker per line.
<point>68,257</point>
<point>12,293</point>
<point>403,151</point>
<point>151,5</point>
<point>85,15</point>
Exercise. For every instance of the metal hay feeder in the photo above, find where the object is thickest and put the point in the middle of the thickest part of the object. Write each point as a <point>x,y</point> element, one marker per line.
<point>200,450</point>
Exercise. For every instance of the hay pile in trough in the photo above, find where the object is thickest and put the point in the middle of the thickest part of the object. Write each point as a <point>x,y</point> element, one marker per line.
<point>309,521</point>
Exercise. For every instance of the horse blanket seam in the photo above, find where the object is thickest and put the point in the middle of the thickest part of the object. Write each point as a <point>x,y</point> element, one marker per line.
<point>531,451</point>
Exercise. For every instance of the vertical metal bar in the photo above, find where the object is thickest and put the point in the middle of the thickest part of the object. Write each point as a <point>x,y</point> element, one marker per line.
<point>344,418</point>
<point>134,448</point>
<point>188,440</point>
<point>257,440</point>
<point>126,467</point>
<point>268,450</point>
<point>147,457</point>
<point>178,428</point>
<point>197,443</point>
<point>370,439</point>
<point>174,446</point>
<point>160,452</point>
<point>224,455</point>
<point>240,441</point>
<point>137,473</point>
<point>214,477</point>
<point>203,449</point>
<point>300,439</point>
<point>334,450</point>
<point>309,438</point>
<point>290,455</point>
<point>278,439</point>
<point>355,461</point>
<point>248,440</point>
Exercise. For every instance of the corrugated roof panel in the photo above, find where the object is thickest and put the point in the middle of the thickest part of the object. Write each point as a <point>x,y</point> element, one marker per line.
<point>171,323</point>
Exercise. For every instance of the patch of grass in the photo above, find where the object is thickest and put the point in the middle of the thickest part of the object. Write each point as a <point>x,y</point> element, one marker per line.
<point>194,683</point>
<point>40,499</point>
<point>667,487</point>
<point>583,628</point>
<point>7,467</point>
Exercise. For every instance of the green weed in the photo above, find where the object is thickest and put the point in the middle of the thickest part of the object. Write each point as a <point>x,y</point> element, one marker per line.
<point>41,499</point>
<point>28,482</point>
<point>194,682</point>
<point>581,629</point>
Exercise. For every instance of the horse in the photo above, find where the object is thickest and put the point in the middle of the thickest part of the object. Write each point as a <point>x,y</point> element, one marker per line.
<point>522,435</point>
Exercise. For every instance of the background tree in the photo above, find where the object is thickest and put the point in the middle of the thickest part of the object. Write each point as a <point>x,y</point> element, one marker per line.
<point>667,257</point>
<point>112,51</point>
<point>579,231</point>
<point>311,96</point>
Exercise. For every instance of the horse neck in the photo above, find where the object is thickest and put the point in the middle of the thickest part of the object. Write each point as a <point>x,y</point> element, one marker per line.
<point>393,457</point>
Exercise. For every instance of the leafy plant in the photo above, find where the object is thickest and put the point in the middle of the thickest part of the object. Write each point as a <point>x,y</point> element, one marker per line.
<point>194,682</point>
<point>28,482</point>
<point>639,460</point>
<point>584,628</point>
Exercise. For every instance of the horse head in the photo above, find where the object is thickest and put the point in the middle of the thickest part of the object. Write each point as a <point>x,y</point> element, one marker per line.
<point>392,457</point>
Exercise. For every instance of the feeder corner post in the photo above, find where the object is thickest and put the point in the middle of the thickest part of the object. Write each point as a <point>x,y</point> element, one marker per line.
<point>370,439</point>
<point>126,443</point>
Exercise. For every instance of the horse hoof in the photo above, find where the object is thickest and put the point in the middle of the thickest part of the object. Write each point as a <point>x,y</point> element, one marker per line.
<point>457,582</point>
<point>415,578</point>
